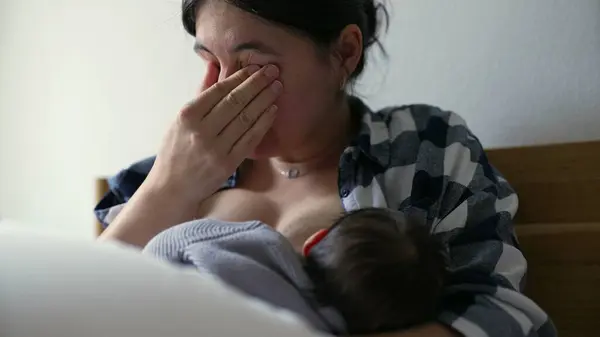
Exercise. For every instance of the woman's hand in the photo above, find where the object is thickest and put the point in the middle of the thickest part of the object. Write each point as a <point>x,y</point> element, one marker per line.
<point>216,132</point>
<point>210,138</point>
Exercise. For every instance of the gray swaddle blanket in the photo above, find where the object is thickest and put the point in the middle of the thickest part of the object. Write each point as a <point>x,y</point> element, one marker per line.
<point>252,257</point>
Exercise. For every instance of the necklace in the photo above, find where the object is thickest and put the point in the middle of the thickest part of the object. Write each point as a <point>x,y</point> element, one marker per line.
<point>291,173</point>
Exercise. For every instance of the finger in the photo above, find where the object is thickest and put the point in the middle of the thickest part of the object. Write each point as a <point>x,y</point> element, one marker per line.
<point>240,97</point>
<point>211,77</point>
<point>206,101</point>
<point>250,140</point>
<point>214,94</point>
<point>246,119</point>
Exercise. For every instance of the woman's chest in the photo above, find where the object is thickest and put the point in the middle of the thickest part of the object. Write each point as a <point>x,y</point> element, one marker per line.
<point>296,216</point>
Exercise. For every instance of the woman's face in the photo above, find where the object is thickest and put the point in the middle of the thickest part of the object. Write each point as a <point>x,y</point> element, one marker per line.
<point>229,38</point>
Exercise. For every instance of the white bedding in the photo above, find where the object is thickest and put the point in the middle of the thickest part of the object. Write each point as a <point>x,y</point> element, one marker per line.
<point>52,286</point>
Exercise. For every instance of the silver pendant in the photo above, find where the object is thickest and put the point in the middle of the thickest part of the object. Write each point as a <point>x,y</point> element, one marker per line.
<point>291,173</point>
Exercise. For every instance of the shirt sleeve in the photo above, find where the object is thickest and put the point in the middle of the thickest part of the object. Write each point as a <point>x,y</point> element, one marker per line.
<point>122,186</point>
<point>470,206</point>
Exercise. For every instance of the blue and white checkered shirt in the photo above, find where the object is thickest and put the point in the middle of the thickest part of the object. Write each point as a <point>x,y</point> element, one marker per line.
<point>425,161</point>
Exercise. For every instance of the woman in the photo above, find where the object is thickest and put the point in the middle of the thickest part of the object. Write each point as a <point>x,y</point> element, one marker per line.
<point>273,136</point>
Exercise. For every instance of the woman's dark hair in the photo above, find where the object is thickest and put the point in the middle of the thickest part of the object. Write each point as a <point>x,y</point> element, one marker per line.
<point>320,20</point>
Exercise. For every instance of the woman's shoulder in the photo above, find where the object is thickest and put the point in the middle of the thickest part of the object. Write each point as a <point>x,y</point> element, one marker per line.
<point>426,155</point>
<point>409,129</point>
<point>417,117</point>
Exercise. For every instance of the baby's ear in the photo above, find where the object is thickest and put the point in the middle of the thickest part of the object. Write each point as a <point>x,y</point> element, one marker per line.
<point>313,240</point>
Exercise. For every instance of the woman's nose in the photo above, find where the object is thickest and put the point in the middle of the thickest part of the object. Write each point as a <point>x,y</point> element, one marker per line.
<point>226,72</point>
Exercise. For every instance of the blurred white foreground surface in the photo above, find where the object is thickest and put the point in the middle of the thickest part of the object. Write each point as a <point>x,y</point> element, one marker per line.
<point>52,286</point>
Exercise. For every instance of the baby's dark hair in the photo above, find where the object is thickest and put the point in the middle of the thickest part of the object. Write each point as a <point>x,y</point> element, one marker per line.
<point>381,270</point>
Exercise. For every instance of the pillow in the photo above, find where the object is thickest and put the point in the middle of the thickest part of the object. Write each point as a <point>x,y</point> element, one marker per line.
<point>53,286</point>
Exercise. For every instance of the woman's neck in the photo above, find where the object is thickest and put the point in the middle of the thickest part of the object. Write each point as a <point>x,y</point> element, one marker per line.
<point>323,146</point>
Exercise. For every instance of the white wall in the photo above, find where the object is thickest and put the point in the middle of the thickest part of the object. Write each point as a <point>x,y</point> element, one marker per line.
<point>89,86</point>
<point>520,72</point>
<point>85,87</point>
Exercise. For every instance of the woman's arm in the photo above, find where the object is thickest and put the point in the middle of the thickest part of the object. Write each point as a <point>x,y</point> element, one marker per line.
<point>470,207</point>
<point>148,211</point>
<point>202,148</point>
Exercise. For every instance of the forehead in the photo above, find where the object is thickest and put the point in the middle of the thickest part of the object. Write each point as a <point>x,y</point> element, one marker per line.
<point>220,25</point>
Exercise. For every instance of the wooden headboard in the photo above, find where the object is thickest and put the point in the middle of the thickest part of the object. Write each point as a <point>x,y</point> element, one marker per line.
<point>558,225</point>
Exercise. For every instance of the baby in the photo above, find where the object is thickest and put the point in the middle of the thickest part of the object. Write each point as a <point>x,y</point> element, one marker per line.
<point>372,271</point>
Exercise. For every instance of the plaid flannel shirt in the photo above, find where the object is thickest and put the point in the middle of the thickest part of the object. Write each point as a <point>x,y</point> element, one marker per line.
<point>423,160</point>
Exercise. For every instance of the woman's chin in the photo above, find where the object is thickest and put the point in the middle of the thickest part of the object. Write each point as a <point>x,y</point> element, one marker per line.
<point>260,154</point>
<point>266,149</point>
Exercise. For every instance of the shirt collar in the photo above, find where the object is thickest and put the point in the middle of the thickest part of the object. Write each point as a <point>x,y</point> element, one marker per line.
<point>373,137</point>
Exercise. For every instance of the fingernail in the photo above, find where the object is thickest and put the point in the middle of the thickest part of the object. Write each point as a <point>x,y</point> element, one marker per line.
<point>272,71</point>
<point>276,87</point>
<point>253,68</point>
<point>272,110</point>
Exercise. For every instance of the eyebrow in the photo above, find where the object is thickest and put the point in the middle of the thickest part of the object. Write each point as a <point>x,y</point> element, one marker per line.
<point>250,45</point>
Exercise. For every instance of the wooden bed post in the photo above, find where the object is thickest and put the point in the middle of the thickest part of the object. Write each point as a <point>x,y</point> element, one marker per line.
<point>558,225</point>
<point>100,190</point>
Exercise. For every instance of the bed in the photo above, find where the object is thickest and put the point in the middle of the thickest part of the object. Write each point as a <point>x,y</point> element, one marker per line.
<point>558,225</point>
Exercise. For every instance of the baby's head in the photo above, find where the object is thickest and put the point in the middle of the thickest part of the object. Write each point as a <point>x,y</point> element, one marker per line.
<point>381,270</point>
